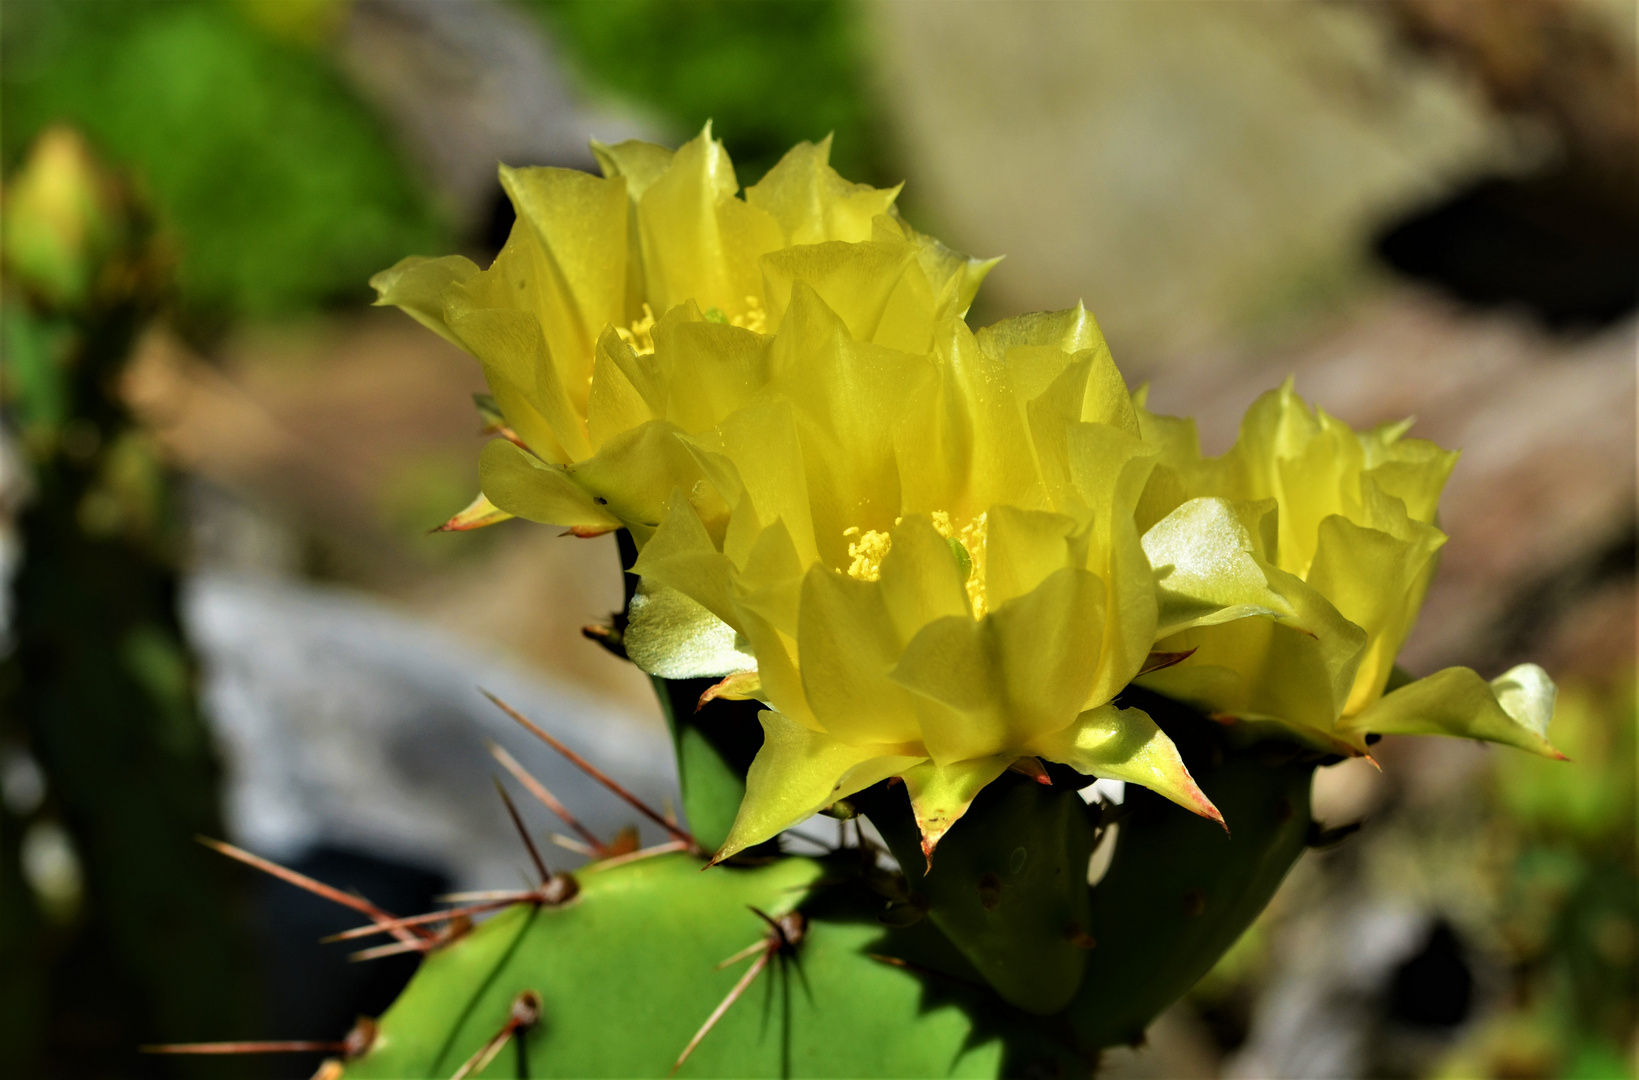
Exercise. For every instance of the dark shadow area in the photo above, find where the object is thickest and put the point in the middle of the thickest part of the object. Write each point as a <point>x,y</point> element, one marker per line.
<point>1540,243</point>
<point>1433,988</point>
<point>314,991</point>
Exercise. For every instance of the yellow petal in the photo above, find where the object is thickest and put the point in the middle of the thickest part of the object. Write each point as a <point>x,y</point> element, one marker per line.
<point>524,485</point>
<point>1022,548</point>
<point>712,370</point>
<point>1376,581</point>
<point>579,268</point>
<point>993,684</point>
<point>1086,387</point>
<point>979,453</point>
<point>921,579</point>
<point>479,513</point>
<point>952,278</point>
<point>770,578</point>
<point>1125,744</point>
<point>1108,469</point>
<point>1513,708</point>
<point>636,472</point>
<point>1206,570</point>
<point>777,670</point>
<point>699,242</point>
<point>937,288</point>
<point>848,399</point>
<point>680,554</point>
<point>846,643</point>
<point>1414,471</point>
<point>1298,670</point>
<point>624,393</point>
<point>854,280</point>
<point>941,794</point>
<point>812,203</point>
<point>416,286</point>
<point>671,636</point>
<point>639,163</point>
<point>1071,330</point>
<point>521,375</point>
<point>798,773</point>
<point>761,455</point>
<point>1131,612</point>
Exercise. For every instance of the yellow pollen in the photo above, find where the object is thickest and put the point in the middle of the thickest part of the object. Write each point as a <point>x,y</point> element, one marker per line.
<point>867,553</point>
<point>867,550</point>
<point>640,335</point>
<point>755,319</point>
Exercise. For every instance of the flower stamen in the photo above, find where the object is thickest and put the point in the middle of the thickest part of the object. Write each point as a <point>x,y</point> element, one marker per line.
<point>867,553</point>
<point>754,319</point>
<point>971,539</point>
<point>640,335</point>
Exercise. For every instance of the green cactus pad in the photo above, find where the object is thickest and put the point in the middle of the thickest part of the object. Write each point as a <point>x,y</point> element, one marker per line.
<point>626,973</point>
<point>714,746</point>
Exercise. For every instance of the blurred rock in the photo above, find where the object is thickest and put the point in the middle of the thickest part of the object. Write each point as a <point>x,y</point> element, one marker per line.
<point>1323,1016</point>
<point>333,447</point>
<point>467,85</point>
<point>1194,172</point>
<point>1567,64</point>
<point>347,725</point>
<point>1347,793</point>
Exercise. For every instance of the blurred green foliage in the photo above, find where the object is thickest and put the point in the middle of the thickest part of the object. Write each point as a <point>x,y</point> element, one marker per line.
<point>1565,866</point>
<point>768,74</point>
<point>131,932</point>
<point>279,187</point>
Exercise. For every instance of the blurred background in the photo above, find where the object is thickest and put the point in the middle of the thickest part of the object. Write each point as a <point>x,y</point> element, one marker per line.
<point>225,614</point>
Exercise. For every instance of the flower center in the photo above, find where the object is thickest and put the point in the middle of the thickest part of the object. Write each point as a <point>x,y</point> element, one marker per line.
<point>867,549</point>
<point>639,336</point>
<point>754,319</point>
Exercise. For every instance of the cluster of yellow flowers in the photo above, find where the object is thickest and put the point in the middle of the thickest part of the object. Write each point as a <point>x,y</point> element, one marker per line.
<point>934,554</point>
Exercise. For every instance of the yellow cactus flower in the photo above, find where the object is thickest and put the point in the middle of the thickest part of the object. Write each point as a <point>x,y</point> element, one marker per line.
<point>597,269</point>
<point>931,565</point>
<point>1342,525</point>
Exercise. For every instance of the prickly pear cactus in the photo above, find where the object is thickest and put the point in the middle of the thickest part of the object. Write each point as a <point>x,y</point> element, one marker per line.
<point>879,563</point>
<point>620,977</point>
<point>993,958</point>
<point>996,959</point>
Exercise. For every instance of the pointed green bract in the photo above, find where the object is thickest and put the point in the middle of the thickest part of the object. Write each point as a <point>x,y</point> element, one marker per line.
<point>941,794</point>
<point>1513,709</point>
<point>798,772</point>
<point>530,488</point>
<point>1125,744</point>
